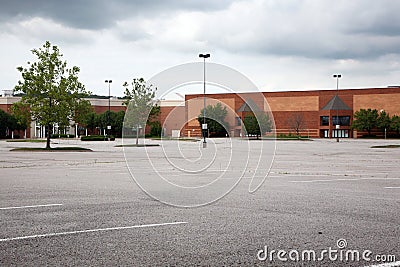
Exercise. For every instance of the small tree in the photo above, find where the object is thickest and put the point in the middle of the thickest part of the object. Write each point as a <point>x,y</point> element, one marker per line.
<point>118,123</point>
<point>140,105</point>
<point>156,129</point>
<point>82,109</point>
<point>115,119</point>
<point>7,122</point>
<point>91,121</point>
<point>22,114</point>
<point>257,124</point>
<point>50,89</point>
<point>395,123</point>
<point>296,122</point>
<point>383,121</point>
<point>215,119</point>
<point>365,120</point>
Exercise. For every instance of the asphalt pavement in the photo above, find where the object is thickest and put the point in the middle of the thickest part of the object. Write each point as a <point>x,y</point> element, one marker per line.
<point>85,208</point>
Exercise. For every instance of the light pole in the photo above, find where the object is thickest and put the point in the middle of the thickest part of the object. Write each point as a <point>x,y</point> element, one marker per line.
<point>337,77</point>
<point>108,115</point>
<point>204,126</point>
<point>381,111</point>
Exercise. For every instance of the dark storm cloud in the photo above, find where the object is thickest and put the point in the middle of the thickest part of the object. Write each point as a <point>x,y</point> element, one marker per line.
<point>98,14</point>
<point>302,28</point>
<point>312,29</point>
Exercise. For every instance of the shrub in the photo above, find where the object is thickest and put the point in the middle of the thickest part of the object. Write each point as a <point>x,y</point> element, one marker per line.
<point>62,136</point>
<point>156,129</point>
<point>98,138</point>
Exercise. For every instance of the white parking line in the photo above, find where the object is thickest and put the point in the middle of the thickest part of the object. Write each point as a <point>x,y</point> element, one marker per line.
<point>392,187</point>
<point>342,179</point>
<point>388,264</point>
<point>32,206</point>
<point>89,231</point>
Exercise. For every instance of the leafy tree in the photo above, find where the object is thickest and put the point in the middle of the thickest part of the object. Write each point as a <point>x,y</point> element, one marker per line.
<point>91,121</point>
<point>395,123</point>
<point>365,120</point>
<point>215,119</point>
<point>141,109</point>
<point>156,129</point>
<point>50,89</point>
<point>257,124</point>
<point>102,120</point>
<point>6,122</point>
<point>3,123</point>
<point>118,122</point>
<point>82,109</point>
<point>383,121</point>
<point>22,114</point>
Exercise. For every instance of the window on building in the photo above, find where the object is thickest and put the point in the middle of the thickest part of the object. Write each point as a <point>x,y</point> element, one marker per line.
<point>345,120</point>
<point>341,120</point>
<point>324,120</point>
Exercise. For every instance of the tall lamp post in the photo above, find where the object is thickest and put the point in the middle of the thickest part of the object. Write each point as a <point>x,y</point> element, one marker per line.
<point>204,126</point>
<point>337,77</point>
<point>381,111</point>
<point>108,115</point>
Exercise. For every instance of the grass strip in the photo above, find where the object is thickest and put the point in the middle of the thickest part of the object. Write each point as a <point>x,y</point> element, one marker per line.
<point>54,149</point>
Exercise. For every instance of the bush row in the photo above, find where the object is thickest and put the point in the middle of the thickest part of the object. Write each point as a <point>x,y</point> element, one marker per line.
<point>98,138</point>
<point>62,136</point>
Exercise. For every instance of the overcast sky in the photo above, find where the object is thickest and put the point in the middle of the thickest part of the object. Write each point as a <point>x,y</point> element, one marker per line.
<point>279,45</point>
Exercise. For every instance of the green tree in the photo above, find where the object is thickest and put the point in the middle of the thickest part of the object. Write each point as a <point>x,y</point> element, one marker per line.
<point>22,114</point>
<point>215,119</point>
<point>383,122</point>
<point>118,122</point>
<point>156,129</point>
<point>82,109</point>
<point>257,124</point>
<point>50,89</point>
<point>395,123</point>
<point>365,120</point>
<point>91,121</point>
<point>7,122</point>
<point>141,109</point>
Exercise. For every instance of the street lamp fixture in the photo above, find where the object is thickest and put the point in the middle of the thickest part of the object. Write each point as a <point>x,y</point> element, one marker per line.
<point>337,77</point>
<point>108,115</point>
<point>204,126</point>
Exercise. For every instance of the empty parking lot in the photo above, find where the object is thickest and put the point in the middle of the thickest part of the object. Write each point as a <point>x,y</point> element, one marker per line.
<point>84,208</point>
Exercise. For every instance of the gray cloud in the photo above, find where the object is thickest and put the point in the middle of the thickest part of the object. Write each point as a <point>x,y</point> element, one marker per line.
<point>312,29</point>
<point>282,37</point>
<point>98,14</point>
<point>345,29</point>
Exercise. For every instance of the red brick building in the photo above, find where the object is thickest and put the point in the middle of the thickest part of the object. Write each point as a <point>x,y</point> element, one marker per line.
<point>319,110</point>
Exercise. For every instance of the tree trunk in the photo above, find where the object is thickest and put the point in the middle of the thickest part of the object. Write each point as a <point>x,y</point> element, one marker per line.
<point>48,136</point>
<point>137,134</point>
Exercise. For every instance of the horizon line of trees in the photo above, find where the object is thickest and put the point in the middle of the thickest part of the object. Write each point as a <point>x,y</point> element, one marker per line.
<point>371,119</point>
<point>9,123</point>
<point>52,94</point>
<point>253,124</point>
